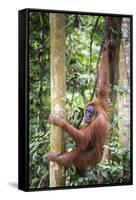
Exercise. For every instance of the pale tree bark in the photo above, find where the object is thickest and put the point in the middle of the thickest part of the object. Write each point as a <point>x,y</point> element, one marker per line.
<point>58,93</point>
<point>124,80</point>
<point>124,138</point>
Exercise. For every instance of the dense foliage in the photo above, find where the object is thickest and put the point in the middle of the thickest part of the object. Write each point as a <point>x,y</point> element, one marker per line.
<point>84,34</point>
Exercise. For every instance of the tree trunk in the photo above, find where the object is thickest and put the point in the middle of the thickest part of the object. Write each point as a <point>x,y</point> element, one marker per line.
<point>114,51</point>
<point>124,80</point>
<point>58,94</point>
<point>113,34</point>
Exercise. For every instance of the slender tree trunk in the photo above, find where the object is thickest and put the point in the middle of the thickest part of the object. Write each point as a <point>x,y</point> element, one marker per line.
<point>58,94</point>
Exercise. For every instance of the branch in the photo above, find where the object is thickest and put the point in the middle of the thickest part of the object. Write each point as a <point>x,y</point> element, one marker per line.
<point>105,35</point>
<point>97,64</point>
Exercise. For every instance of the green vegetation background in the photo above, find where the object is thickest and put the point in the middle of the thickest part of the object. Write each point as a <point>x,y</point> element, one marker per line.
<point>83,38</point>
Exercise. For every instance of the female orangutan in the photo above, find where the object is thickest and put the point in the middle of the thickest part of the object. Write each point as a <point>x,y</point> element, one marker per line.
<point>90,139</point>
